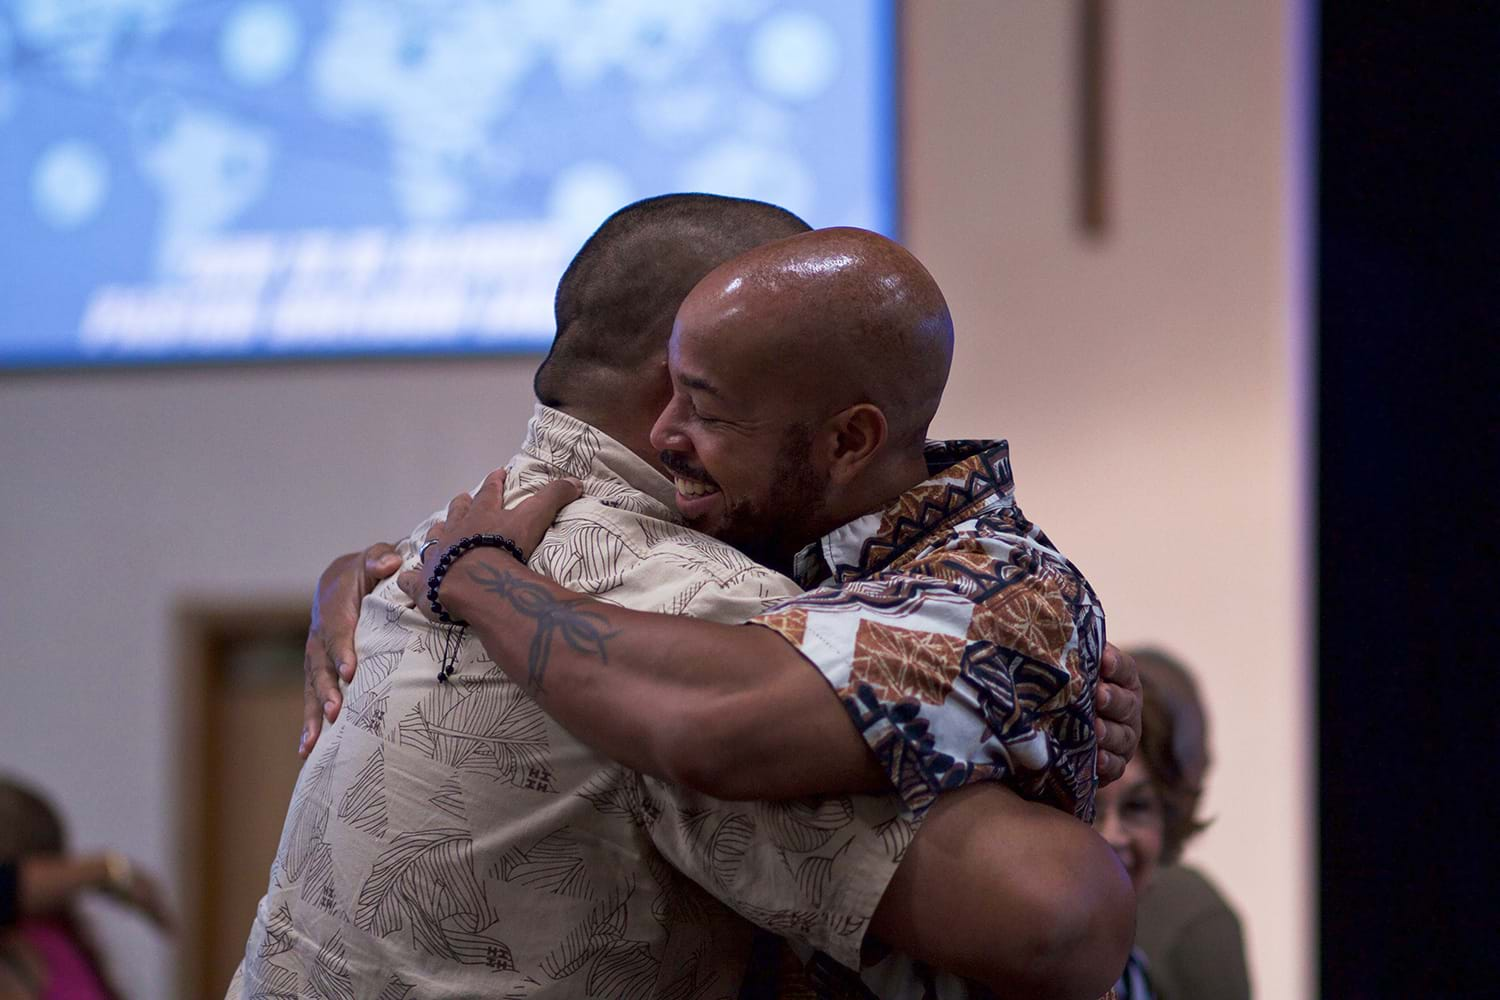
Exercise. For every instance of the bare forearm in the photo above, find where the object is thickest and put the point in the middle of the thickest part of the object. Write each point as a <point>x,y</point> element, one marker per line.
<point>48,884</point>
<point>729,710</point>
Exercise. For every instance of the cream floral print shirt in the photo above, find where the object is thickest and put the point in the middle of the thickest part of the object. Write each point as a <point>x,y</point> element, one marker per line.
<point>451,840</point>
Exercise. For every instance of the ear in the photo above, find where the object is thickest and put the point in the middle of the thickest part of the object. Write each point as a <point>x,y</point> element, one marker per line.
<point>855,437</point>
<point>656,381</point>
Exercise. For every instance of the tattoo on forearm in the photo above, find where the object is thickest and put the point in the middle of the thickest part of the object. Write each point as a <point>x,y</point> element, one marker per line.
<point>582,630</point>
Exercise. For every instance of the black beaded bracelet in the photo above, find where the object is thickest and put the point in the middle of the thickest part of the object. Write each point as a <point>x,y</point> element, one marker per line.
<point>451,556</point>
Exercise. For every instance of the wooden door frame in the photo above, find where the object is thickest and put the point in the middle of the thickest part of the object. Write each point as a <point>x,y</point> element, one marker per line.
<point>202,631</point>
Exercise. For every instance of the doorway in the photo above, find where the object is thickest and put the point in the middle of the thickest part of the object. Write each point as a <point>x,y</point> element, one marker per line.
<point>241,709</point>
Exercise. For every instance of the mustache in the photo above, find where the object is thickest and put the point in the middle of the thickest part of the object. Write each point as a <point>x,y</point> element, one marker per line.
<point>676,463</point>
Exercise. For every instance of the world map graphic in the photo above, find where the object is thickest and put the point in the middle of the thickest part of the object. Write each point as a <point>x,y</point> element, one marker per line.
<point>218,179</point>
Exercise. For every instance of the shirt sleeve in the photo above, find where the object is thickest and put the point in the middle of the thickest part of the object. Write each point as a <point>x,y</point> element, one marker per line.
<point>736,602</point>
<point>975,662</point>
<point>810,870</point>
<point>813,870</point>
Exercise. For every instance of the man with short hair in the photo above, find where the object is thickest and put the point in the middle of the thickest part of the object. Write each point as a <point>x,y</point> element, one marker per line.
<point>960,643</point>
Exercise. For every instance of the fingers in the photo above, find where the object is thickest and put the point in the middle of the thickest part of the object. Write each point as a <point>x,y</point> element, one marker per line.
<point>1110,768</point>
<point>430,551</point>
<point>312,721</point>
<point>1108,763</point>
<point>337,635</point>
<point>1115,703</point>
<point>1117,706</point>
<point>494,484</point>
<point>457,508</point>
<point>533,516</point>
<point>335,613</point>
<point>1119,666</point>
<point>1114,738</point>
<point>322,682</point>
<point>413,585</point>
<point>1122,699</point>
<point>318,678</point>
<point>553,497</point>
<point>1117,729</point>
<point>380,561</point>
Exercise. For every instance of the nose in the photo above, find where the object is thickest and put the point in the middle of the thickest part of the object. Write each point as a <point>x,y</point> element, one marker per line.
<point>666,433</point>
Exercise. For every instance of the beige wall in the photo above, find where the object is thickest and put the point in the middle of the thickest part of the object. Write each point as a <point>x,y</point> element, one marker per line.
<point>125,493</point>
<point>1146,384</point>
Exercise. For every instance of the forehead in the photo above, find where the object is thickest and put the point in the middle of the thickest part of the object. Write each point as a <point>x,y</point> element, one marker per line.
<point>726,353</point>
<point>1136,772</point>
<point>1136,778</point>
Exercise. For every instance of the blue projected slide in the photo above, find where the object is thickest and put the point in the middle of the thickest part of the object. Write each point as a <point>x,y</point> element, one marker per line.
<point>221,179</point>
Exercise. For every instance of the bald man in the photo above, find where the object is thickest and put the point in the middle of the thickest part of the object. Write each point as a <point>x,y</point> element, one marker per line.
<point>946,627</point>
<point>516,859</point>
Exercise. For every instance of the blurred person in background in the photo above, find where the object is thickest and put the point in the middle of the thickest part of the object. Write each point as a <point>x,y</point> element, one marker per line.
<point>1189,945</point>
<point>46,948</point>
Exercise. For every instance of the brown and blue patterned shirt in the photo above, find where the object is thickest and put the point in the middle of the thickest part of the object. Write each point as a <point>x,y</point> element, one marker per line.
<point>963,644</point>
<point>965,648</point>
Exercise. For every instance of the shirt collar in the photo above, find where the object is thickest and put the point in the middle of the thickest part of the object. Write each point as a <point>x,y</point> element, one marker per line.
<point>964,478</point>
<point>573,448</point>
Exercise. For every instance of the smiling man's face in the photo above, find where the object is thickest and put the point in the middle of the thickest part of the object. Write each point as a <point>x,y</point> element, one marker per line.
<point>738,442</point>
<point>803,375</point>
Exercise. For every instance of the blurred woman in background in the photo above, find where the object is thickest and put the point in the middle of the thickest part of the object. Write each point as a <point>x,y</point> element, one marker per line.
<point>1189,945</point>
<point>46,950</point>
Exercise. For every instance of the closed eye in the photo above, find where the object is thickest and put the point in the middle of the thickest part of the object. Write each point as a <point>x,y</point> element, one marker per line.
<point>700,416</point>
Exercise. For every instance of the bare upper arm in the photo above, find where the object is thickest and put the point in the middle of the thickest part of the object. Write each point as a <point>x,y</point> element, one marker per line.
<point>1015,894</point>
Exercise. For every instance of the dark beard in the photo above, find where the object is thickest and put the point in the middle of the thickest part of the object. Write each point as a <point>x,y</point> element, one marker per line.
<point>774,537</point>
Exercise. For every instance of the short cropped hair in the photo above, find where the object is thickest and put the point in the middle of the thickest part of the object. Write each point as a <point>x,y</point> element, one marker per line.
<point>617,299</point>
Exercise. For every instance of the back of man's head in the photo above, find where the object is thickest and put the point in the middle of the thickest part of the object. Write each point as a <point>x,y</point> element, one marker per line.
<point>616,301</point>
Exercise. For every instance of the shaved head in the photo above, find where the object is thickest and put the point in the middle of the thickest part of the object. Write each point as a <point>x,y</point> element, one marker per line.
<point>840,316</point>
<point>805,373</point>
